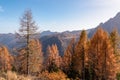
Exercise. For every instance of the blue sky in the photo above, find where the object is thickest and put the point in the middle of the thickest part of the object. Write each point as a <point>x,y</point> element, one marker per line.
<point>57,15</point>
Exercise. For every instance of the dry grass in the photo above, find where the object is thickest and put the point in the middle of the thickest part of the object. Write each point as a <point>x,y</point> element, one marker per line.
<point>43,76</point>
<point>13,76</point>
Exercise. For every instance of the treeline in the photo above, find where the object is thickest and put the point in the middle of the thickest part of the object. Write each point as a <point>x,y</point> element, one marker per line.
<point>95,58</point>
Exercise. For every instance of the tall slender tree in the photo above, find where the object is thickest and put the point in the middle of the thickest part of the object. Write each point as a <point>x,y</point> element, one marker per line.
<point>115,41</point>
<point>79,58</point>
<point>67,58</point>
<point>27,30</point>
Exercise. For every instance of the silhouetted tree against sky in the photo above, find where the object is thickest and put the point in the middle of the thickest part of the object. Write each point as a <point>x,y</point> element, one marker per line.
<point>27,31</point>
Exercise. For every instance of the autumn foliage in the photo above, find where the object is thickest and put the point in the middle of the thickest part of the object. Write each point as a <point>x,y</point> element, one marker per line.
<point>6,59</point>
<point>101,57</point>
<point>35,58</point>
<point>88,59</point>
<point>95,58</point>
<point>53,76</point>
<point>53,60</point>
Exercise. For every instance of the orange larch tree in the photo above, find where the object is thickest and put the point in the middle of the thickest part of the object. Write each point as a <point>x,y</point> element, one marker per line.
<point>101,57</point>
<point>80,56</point>
<point>35,57</point>
<point>6,59</point>
<point>52,60</point>
<point>67,57</point>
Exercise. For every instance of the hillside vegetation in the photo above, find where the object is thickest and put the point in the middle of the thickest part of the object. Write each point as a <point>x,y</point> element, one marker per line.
<point>95,58</point>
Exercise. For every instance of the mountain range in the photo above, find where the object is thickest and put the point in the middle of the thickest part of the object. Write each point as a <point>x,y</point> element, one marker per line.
<point>60,39</point>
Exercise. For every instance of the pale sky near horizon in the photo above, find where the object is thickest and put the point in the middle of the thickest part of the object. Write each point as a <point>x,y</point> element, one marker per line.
<point>57,15</point>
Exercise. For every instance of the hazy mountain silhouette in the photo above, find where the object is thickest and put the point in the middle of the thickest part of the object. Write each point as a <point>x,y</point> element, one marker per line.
<point>109,25</point>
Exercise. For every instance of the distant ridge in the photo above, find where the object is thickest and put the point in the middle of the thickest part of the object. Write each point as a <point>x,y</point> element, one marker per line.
<point>61,39</point>
<point>109,25</point>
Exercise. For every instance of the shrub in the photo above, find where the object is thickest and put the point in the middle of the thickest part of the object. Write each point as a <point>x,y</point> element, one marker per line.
<point>118,76</point>
<point>53,76</point>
